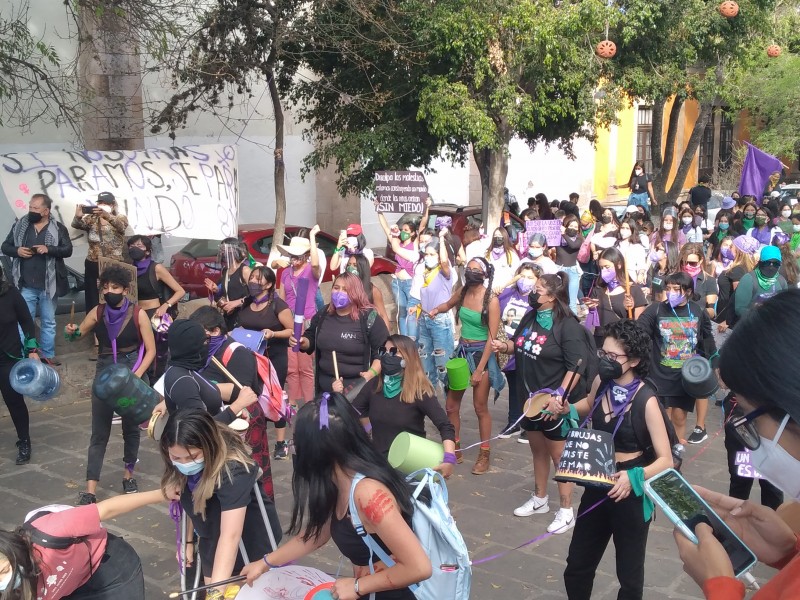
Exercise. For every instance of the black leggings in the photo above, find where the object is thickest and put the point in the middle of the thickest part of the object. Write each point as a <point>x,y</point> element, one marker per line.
<point>624,521</point>
<point>119,576</point>
<point>14,400</point>
<point>91,273</point>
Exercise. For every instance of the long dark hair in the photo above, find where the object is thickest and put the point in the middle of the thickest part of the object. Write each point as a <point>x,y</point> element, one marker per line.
<point>268,275</point>
<point>616,258</point>
<point>363,268</point>
<point>16,546</point>
<point>488,269</point>
<point>557,285</point>
<point>319,450</point>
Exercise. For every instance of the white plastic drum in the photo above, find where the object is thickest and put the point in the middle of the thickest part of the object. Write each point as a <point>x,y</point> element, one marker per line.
<point>286,583</point>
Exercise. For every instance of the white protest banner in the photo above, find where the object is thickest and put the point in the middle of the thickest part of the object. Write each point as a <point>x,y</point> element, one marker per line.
<point>551,228</point>
<point>400,192</point>
<point>186,191</point>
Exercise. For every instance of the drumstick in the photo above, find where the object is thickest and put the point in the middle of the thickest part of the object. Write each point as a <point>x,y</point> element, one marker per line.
<point>72,313</point>
<point>227,373</point>
<point>572,379</point>
<point>335,364</point>
<point>209,586</point>
<point>628,291</point>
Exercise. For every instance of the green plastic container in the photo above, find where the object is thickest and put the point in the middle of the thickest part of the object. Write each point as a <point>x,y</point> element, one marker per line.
<point>410,453</point>
<point>457,374</point>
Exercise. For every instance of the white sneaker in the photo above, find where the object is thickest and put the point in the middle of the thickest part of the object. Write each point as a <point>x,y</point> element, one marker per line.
<point>523,437</point>
<point>534,506</point>
<point>564,521</point>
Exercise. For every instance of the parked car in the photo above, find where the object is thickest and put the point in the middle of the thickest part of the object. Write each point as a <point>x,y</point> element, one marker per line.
<point>198,259</point>
<point>75,294</point>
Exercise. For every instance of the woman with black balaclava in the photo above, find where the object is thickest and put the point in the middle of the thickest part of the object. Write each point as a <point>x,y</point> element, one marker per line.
<point>761,283</point>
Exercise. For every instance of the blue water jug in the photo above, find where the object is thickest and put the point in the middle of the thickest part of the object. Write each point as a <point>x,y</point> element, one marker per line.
<point>130,397</point>
<point>35,379</point>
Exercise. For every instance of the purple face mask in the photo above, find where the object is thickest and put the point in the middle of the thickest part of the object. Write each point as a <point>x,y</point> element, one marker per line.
<point>675,298</point>
<point>525,286</point>
<point>610,277</point>
<point>727,253</point>
<point>340,299</point>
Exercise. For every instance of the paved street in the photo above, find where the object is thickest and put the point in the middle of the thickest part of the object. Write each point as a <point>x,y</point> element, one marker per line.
<point>482,505</point>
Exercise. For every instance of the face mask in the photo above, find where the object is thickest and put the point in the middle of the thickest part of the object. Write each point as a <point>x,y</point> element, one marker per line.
<point>136,254</point>
<point>7,580</point>
<point>392,385</point>
<point>749,215</point>
<point>497,242</point>
<point>533,300</point>
<point>727,253</point>
<point>404,236</point>
<point>340,299</point>
<point>624,233</point>
<point>786,214</point>
<point>392,364</point>
<point>724,226</point>
<point>675,298</point>
<point>667,226</point>
<point>759,221</point>
<point>606,219</point>
<point>609,369</point>
<point>34,217</point>
<point>638,172</point>
<point>352,242</point>
<point>192,468</point>
<point>776,464</point>
<point>768,271</point>
<point>105,207</point>
<point>572,232</point>
<point>608,275</point>
<point>473,278</point>
<point>693,271</point>
<point>113,299</point>
<point>796,228</point>
<point>525,286</point>
<point>255,289</point>
<point>535,252</point>
<point>431,262</point>
<point>686,220</point>
<point>353,270</point>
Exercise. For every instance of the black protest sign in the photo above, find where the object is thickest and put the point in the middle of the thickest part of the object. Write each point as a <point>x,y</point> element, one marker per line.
<point>400,192</point>
<point>588,458</point>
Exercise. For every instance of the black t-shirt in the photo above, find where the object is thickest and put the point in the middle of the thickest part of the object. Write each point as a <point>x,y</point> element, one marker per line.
<point>14,312</point>
<point>611,307</point>
<point>655,280</point>
<point>725,283</point>
<point>567,252</point>
<point>185,389</point>
<point>544,356</point>
<point>267,318</point>
<point>33,270</point>
<point>699,195</point>
<point>237,489</point>
<point>639,183</point>
<point>705,286</point>
<point>391,416</point>
<point>241,364</point>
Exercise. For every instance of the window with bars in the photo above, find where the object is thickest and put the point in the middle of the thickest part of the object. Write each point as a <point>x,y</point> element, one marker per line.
<point>705,164</point>
<point>644,128</point>
<point>725,141</point>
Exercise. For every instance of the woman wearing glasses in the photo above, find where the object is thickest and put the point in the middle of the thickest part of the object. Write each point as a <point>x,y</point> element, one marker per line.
<point>768,424</point>
<point>479,312</point>
<point>761,283</point>
<point>401,399</point>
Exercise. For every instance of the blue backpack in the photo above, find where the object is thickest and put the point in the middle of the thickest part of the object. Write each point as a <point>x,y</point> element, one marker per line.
<point>437,532</point>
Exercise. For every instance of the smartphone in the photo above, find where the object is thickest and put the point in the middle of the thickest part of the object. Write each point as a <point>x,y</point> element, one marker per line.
<point>87,210</point>
<point>686,509</point>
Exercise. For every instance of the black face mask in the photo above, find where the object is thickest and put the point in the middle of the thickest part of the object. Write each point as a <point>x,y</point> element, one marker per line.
<point>113,299</point>
<point>606,219</point>
<point>533,300</point>
<point>392,364</point>
<point>768,271</point>
<point>34,217</point>
<point>609,369</point>
<point>473,278</point>
<point>136,254</point>
<point>497,242</point>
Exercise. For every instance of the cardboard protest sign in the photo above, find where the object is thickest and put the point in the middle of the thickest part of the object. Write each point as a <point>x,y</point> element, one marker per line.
<point>550,228</point>
<point>133,290</point>
<point>744,467</point>
<point>400,192</point>
<point>588,458</point>
<point>186,191</point>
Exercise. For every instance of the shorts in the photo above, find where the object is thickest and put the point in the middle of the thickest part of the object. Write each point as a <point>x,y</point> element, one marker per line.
<point>550,429</point>
<point>683,402</point>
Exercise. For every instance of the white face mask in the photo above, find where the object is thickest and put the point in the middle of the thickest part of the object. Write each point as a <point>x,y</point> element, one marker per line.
<point>687,220</point>
<point>796,228</point>
<point>431,262</point>
<point>535,252</point>
<point>777,465</point>
<point>638,171</point>
<point>7,580</point>
<point>352,243</point>
<point>667,226</point>
<point>786,214</point>
<point>624,233</point>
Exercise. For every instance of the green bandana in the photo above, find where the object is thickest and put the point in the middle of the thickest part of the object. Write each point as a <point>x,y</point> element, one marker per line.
<point>392,384</point>
<point>765,283</point>
<point>748,223</point>
<point>545,318</point>
<point>636,477</point>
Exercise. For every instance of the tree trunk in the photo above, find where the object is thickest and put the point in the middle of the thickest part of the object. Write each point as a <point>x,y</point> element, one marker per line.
<point>657,141</point>
<point>280,165</point>
<point>689,152</point>
<point>493,168</point>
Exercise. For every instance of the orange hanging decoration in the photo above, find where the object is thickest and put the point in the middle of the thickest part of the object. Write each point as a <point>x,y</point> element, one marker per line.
<point>606,49</point>
<point>773,51</point>
<point>729,9</point>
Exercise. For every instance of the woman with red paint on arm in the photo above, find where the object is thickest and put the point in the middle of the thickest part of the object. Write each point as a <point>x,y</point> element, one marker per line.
<point>332,448</point>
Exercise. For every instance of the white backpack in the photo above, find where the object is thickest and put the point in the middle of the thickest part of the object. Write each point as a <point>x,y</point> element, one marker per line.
<point>437,532</point>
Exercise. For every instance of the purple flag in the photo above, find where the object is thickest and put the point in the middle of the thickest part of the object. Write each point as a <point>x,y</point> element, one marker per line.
<point>758,166</point>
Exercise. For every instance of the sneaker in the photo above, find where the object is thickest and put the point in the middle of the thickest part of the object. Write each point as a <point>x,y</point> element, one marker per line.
<point>129,486</point>
<point>534,506</point>
<point>116,420</point>
<point>698,436</point>
<point>564,521</point>
<point>508,431</point>
<point>281,451</point>
<point>523,437</point>
<point>23,452</point>
<point>85,498</point>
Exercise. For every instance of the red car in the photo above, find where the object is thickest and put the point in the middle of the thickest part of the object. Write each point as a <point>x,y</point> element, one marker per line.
<point>198,259</point>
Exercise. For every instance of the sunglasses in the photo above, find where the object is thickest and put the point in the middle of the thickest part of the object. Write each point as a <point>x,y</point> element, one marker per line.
<point>692,263</point>
<point>391,351</point>
<point>612,356</point>
<point>742,428</point>
<point>771,263</point>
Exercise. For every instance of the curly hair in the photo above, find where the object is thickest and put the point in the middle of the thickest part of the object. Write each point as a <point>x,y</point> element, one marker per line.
<point>117,275</point>
<point>636,342</point>
<point>488,270</point>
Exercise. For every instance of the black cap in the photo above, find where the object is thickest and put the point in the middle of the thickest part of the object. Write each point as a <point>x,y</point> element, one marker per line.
<point>106,197</point>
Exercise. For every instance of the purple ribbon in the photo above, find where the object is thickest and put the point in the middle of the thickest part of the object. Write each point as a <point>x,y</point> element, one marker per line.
<point>323,411</point>
<point>175,512</point>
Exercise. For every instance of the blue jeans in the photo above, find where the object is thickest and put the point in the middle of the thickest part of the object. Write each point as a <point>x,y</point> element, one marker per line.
<point>642,199</point>
<point>318,300</point>
<point>574,285</point>
<point>412,323</point>
<point>401,288</point>
<point>47,316</point>
<point>435,343</point>
<point>473,353</point>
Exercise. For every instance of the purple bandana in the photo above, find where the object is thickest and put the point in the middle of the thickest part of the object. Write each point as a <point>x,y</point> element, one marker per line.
<point>142,266</point>
<point>214,343</point>
<point>114,318</point>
